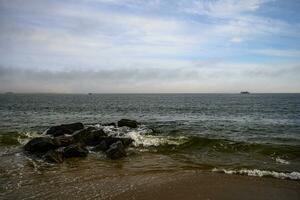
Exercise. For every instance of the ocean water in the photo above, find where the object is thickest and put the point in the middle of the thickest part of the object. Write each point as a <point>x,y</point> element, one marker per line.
<point>255,134</point>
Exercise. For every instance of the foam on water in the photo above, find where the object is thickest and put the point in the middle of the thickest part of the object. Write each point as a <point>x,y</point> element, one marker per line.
<point>142,136</point>
<point>282,161</point>
<point>261,173</point>
<point>150,140</point>
<point>26,136</point>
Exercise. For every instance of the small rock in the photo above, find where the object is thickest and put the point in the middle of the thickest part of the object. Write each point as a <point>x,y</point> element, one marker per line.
<point>89,137</point>
<point>106,142</point>
<point>54,156</point>
<point>126,141</point>
<point>63,140</point>
<point>129,123</point>
<point>116,151</point>
<point>64,129</point>
<point>39,145</point>
<point>109,124</point>
<point>102,146</point>
<point>75,150</point>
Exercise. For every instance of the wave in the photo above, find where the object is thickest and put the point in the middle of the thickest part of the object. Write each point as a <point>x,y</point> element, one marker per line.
<point>282,161</point>
<point>261,173</point>
<point>151,140</point>
<point>144,137</point>
<point>16,138</point>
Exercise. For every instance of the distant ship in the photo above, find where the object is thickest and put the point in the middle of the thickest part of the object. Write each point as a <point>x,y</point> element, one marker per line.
<point>90,93</point>
<point>245,92</point>
<point>8,93</point>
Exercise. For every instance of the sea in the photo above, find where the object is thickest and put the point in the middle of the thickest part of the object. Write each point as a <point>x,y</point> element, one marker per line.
<point>243,134</point>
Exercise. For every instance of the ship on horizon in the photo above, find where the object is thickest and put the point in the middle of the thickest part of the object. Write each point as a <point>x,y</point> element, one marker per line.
<point>244,92</point>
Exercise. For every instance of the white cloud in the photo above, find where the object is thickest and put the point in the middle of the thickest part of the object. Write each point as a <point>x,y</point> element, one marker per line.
<point>278,52</point>
<point>222,8</point>
<point>236,40</point>
<point>185,77</point>
<point>162,49</point>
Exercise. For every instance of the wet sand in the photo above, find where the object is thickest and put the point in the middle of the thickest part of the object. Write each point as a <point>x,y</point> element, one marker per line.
<point>121,180</point>
<point>215,186</point>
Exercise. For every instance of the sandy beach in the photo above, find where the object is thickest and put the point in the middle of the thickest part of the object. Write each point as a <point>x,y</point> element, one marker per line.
<point>116,185</point>
<point>215,186</point>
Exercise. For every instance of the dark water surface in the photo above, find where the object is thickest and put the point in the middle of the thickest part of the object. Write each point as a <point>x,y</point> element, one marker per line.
<point>256,134</point>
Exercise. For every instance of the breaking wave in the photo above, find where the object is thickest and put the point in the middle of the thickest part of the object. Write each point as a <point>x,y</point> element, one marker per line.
<point>261,173</point>
<point>143,136</point>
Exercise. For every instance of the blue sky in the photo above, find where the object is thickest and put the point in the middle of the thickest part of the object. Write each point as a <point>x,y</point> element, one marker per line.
<point>149,46</point>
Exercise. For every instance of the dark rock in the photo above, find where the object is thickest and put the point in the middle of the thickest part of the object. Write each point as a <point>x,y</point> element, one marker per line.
<point>125,141</point>
<point>154,130</point>
<point>75,150</point>
<point>89,137</point>
<point>116,151</point>
<point>64,129</point>
<point>39,145</point>
<point>102,146</point>
<point>106,142</point>
<point>129,123</point>
<point>109,124</point>
<point>63,140</point>
<point>54,156</point>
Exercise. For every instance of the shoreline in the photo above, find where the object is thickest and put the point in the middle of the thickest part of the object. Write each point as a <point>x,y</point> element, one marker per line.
<point>210,185</point>
<point>115,181</point>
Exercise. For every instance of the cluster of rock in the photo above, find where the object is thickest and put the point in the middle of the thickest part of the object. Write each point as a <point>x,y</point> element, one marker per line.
<point>72,140</point>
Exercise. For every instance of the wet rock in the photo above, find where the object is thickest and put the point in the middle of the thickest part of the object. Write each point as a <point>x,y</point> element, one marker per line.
<point>63,140</point>
<point>129,123</point>
<point>89,137</point>
<point>54,156</point>
<point>39,145</point>
<point>111,140</point>
<point>127,141</point>
<point>106,142</point>
<point>75,150</point>
<point>109,124</point>
<point>116,151</point>
<point>102,146</point>
<point>64,129</point>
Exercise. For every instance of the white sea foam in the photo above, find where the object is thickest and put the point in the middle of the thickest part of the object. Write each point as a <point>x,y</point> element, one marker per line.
<point>282,161</point>
<point>150,140</point>
<point>26,136</point>
<point>261,173</point>
<point>141,136</point>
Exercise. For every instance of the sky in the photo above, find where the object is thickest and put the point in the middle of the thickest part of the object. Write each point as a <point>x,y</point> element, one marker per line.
<point>149,46</point>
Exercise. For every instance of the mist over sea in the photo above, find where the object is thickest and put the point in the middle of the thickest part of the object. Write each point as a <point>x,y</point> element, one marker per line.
<point>252,134</point>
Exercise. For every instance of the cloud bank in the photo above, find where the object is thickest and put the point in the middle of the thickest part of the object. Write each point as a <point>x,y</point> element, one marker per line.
<point>149,46</point>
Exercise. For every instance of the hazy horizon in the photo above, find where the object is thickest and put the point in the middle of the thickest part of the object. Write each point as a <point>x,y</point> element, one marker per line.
<point>150,46</point>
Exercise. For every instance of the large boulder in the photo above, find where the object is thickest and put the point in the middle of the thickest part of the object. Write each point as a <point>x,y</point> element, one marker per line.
<point>39,145</point>
<point>128,122</point>
<point>116,151</point>
<point>64,129</point>
<point>54,156</point>
<point>75,150</point>
<point>63,140</point>
<point>89,136</point>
